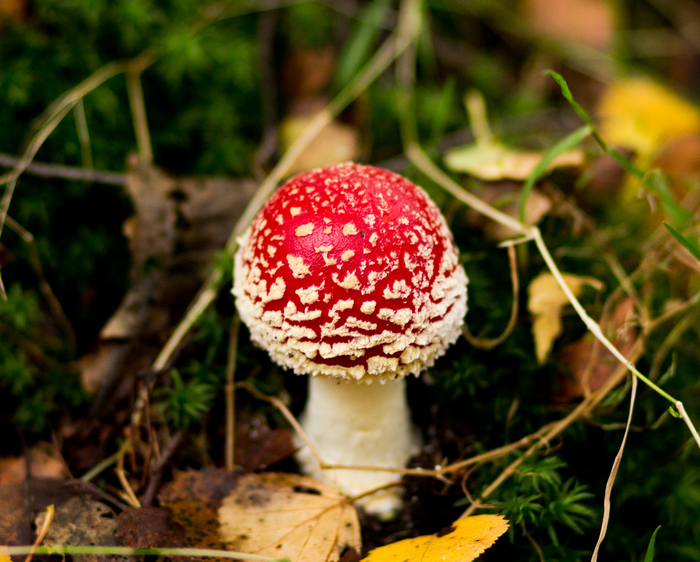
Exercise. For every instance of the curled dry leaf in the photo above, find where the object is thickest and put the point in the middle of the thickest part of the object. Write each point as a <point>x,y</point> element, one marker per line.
<point>462,541</point>
<point>545,302</point>
<point>287,515</point>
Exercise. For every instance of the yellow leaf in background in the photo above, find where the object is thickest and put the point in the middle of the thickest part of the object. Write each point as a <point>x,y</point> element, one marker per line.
<point>463,541</point>
<point>336,143</point>
<point>491,161</point>
<point>545,301</point>
<point>643,115</point>
<point>4,557</point>
<point>287,515</point>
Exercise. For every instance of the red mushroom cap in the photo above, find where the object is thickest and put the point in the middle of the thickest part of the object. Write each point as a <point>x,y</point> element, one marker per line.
<point>350,271</point>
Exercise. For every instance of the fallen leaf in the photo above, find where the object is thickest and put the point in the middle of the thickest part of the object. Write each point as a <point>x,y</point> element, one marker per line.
<point>258,446</point>
<point>278,515</point>
<point>545,302</point>
<point>12,10</point>
<point>82,521</point>
<point>178,226</point>
<point>591,22</point>
<point>462,541</point>
<point>15,522</point>
<point>588,364</point>
<point>490,160</point>
<point>149,527</point>
<point>42,464</point>
<point>643,115</point>
<point>336,143</point>
<point>194,498</point>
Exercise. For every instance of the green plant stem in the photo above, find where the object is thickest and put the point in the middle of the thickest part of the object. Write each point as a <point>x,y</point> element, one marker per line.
<point>127,551</point>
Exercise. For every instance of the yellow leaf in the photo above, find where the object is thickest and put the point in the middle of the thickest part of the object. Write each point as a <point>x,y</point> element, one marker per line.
<point>336,143</point>
<point>287,515</point>
<point>643,115</point>
<point>545,301</point>
<point>490,160</point>
<point>4,557</point>
<point>463,541</point>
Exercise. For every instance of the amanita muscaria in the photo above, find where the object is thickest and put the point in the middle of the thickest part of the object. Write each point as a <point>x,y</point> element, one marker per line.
<point>349,274</point>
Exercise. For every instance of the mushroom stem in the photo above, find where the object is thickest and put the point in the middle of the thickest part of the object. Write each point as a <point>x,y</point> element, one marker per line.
<point>363,424</point>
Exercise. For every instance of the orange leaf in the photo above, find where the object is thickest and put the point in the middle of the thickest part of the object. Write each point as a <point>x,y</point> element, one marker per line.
<point>463,541</point>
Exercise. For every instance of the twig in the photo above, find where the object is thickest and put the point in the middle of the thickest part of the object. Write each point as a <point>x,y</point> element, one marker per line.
<point>64,172</point>
<point>157,470</point>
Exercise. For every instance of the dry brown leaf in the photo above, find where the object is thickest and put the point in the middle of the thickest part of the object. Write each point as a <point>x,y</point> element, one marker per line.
<point>278,515</point>
<point>194,497</point>
<point>81,521</point>
<point>150,527</point>
<point>462,541</point>
<point>588,363</point>
<point>257,445</point>
<point>42,464</point>
<point>194,215</point>
<point>545,302</point>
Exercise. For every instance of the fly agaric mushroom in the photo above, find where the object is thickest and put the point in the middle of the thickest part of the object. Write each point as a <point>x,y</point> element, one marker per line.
<point>349,274</point>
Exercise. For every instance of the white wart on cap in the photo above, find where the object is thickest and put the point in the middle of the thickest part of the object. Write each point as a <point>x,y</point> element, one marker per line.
<point>350,271</point>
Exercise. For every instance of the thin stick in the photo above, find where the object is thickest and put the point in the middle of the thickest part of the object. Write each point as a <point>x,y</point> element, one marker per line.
<point>230,452</point>
<point>65,172</point>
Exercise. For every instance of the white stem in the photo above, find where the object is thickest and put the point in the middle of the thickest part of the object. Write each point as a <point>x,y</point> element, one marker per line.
<point>359,424</point>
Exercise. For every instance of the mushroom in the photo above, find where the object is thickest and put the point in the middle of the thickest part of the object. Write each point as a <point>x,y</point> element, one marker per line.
<point>349,274</point>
